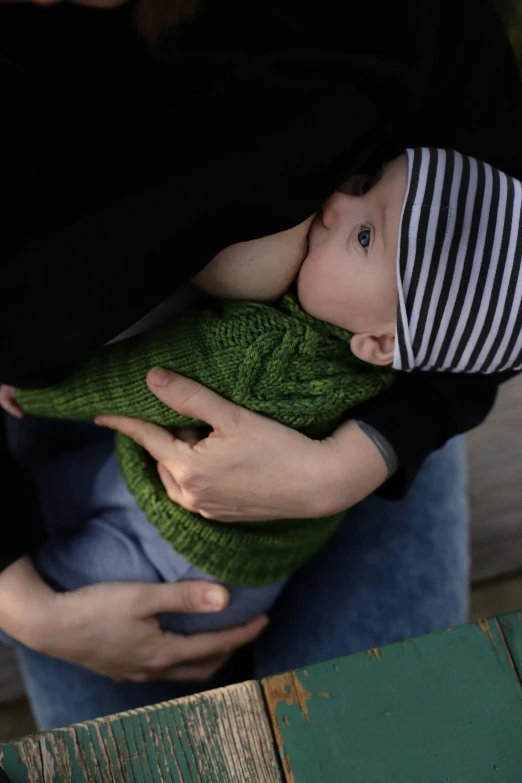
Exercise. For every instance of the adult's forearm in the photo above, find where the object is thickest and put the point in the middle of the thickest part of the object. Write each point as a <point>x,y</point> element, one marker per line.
<point>25,603</point>
<point>354,468</point>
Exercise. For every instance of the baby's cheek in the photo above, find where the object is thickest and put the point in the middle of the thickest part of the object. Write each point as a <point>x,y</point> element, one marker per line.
<point>309,292</point>
<point>324,297</point>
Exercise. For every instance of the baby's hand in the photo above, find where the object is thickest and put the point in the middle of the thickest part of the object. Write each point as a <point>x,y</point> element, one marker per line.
<point>8,402</point>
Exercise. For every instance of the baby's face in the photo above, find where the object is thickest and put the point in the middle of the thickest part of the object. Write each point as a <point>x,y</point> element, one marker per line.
<point>349,276</point>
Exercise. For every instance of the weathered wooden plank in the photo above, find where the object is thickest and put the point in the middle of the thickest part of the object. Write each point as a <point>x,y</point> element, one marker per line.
<point>512,628</point>
<point>445,707</point>
<point>495,468</point>
<point>222,736</point>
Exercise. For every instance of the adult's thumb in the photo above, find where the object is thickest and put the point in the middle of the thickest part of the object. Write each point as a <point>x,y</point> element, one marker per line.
<point>184,598</point>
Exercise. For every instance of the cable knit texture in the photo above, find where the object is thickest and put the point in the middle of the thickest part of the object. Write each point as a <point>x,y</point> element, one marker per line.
<point>275,360</point>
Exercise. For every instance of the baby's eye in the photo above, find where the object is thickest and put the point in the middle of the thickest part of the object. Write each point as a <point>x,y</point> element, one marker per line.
<point>364,237</point>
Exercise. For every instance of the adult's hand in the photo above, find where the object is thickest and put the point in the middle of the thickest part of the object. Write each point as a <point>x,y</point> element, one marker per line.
<point>251,468</point>
<point>8,401</point>
<point>112,628</point>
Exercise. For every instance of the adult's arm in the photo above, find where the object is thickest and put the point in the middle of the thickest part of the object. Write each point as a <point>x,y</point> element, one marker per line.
<point>109,628</point>
<point>112,628</point>
<point>251,468</point>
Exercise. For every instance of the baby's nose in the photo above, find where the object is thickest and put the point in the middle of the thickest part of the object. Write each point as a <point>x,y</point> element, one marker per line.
<point>337,209</point>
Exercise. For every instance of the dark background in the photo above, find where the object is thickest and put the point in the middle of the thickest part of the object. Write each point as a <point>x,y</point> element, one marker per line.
<point>511,14</point>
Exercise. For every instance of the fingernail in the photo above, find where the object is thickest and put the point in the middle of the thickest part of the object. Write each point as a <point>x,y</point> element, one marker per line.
<point>159,377</point>
<point>215,598</point>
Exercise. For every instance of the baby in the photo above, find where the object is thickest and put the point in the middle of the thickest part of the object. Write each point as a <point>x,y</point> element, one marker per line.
<point>416,268</point>
<point>421,263</point>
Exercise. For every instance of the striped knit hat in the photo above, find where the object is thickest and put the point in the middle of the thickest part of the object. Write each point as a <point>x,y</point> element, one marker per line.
<point>459,266</point>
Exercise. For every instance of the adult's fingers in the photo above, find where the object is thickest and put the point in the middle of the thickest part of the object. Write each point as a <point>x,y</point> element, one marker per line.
<point>193,400</point>
<point>172,487</point>
<point>160,443</point>
<point>182,597</point>
<point>191,435</point>
<point>8,402</point>
<point>177,495</point>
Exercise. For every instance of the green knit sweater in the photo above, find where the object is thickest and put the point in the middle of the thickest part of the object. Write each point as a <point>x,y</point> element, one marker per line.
<point>277,361</point>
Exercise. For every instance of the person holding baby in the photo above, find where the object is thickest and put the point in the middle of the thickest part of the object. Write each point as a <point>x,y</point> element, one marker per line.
<point>376,258</point>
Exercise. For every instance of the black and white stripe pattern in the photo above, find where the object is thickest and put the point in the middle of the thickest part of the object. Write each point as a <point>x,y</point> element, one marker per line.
<point>459,266</point>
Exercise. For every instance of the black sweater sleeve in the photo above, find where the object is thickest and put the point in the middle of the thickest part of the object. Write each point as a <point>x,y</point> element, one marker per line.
<point>422,412</point>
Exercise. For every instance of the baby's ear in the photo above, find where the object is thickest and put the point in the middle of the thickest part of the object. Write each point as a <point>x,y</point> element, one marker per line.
<point>374,348</point>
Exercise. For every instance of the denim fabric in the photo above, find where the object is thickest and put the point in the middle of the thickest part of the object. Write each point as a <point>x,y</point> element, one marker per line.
<point>393,570</point>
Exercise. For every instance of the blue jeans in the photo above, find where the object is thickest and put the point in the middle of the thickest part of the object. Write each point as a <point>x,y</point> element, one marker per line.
<point>392,571</point>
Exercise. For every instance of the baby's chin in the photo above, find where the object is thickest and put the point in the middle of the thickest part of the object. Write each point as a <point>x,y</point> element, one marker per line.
<point>310,297</point>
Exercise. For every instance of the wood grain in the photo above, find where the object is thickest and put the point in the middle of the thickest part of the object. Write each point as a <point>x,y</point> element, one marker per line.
<point>512,628</point>
<point>222,736</point>
<point>445,707</point>
<point>495,471</point>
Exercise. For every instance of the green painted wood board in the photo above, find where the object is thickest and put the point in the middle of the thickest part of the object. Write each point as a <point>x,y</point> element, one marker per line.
<point>444,708</point>
<point>222,736</point>
<point>512,628</point>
